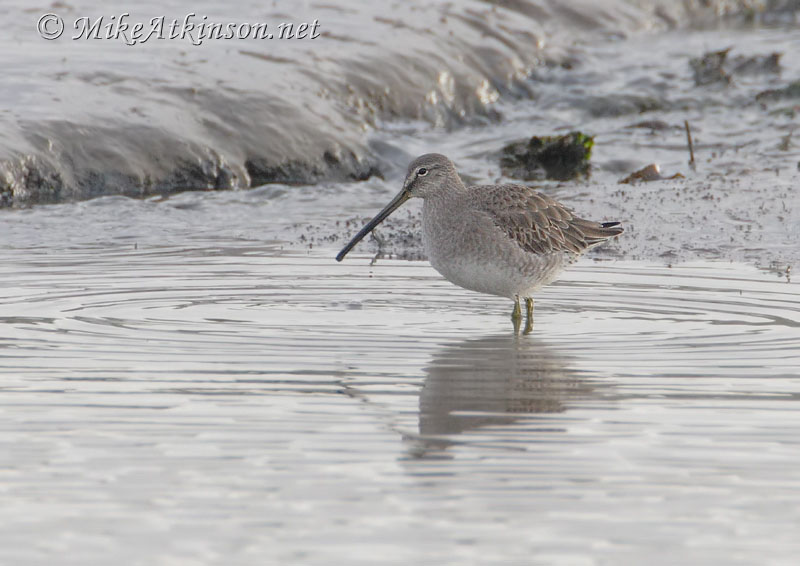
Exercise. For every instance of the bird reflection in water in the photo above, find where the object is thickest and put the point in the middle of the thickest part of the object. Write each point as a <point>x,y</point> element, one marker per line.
<point>492,381</point>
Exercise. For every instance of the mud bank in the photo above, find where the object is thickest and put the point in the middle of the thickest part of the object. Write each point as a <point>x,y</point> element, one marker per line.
<point>93,117</point>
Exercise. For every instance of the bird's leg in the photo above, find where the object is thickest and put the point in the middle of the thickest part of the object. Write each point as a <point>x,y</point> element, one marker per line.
<point>516,315</point>
<point>529,318</point>
<point>517,312</point>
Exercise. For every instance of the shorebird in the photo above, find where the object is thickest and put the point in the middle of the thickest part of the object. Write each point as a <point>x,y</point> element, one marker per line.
<point>507,240</point>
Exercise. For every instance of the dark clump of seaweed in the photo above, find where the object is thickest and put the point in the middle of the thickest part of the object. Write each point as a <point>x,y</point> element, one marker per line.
<point>716,67</point>
<point>792,90</point>
<point>548,157</point>
<point>709,68</point>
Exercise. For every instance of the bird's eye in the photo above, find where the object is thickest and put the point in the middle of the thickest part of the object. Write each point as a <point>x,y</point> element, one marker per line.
<point>421,172</point>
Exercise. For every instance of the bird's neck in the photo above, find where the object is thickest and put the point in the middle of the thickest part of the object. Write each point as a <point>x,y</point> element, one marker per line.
<point>454,189</point>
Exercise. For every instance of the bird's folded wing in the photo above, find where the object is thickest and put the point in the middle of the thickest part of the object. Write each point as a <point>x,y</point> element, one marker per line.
<point>536,222</point>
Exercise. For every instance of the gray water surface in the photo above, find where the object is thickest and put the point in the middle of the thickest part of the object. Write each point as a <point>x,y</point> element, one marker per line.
<point>240,404</point>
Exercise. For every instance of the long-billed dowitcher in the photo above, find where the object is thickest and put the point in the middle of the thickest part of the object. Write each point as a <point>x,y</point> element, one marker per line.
<point>506,240</point>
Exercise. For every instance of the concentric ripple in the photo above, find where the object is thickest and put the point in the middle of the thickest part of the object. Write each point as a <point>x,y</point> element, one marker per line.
<point>174,404</point>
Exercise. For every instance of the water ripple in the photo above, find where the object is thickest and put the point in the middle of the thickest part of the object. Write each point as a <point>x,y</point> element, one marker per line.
<point>151,392</point>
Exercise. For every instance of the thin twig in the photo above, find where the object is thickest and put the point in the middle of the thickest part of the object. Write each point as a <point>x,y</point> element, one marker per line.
<point>381,244</point>
<point>691,146</point>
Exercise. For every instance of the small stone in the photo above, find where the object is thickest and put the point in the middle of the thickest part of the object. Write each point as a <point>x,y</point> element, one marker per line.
<point>648,173</point>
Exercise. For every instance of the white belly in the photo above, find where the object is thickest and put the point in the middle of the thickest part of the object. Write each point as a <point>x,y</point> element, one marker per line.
<point>482,258</point>
<point>498,278</point>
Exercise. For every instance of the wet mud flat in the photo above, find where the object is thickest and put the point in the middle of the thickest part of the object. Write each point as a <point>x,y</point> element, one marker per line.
<point>103,117</point>
<point>196,402</point>
<point>736,201</point>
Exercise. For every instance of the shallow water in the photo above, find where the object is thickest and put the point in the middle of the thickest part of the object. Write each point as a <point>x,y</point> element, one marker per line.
<point>239,403</point>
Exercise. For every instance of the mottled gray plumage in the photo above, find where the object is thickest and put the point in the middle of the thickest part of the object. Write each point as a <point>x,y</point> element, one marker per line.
<point>506,240</point>
<point>538,223</point>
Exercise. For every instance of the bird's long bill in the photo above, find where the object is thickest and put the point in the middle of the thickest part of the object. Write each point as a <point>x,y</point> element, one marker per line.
<point>402,197</point>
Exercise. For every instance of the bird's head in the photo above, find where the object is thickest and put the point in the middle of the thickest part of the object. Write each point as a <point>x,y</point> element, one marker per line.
<point>427,174</point>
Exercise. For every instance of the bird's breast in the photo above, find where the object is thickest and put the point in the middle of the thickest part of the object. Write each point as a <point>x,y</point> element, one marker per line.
<point>468,249</point>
